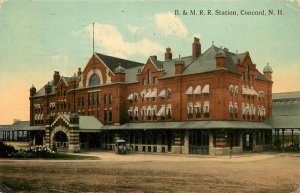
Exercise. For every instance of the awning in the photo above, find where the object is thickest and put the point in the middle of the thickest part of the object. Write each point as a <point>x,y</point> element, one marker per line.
<point>254,92</point>
<point>189,90</point>
<point>161,111</point>
<point>197,90</point>
<point>246,91</point>
<point>130,97</point>
<point>205,89</point>
<point>153,94</point>
<point>148,94</point>
<point>162,93</point>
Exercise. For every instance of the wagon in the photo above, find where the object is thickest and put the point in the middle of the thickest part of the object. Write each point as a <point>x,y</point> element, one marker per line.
<point>121,147</point>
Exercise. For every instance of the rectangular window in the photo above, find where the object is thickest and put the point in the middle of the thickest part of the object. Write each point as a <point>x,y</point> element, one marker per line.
<point>105,99</point>
<point>169,113</point>
<point>105,115</point>
<point>98,98</point>
<point>198,112</point>
<point>78,102</point>
<point>82,101</point>
<point>136,115</point>
<point>110,99</point>
<point>130,115</point>
<point>154,80</point>
<point>206,111</point>
<point>89,99</point>
<point>190,112</point>
<point>154,114</point>
<point>94,98</point>
<point>110,114</point>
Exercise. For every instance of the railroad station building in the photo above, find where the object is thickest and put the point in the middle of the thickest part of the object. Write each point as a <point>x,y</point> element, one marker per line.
<point>206,103</point>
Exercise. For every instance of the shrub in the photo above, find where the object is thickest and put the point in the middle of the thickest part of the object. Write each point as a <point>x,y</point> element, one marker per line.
<point>6,150</point>
<point>33,152</point>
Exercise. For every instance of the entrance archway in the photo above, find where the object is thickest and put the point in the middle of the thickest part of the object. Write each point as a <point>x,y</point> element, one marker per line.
<point>60,140</point>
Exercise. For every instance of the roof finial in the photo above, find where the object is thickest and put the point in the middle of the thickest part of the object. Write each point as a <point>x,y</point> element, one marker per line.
<point>213,43</point>
<point>179,55</point>
<point>267,63</point>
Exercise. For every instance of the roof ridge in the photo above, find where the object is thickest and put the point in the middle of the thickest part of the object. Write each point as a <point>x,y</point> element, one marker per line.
<point>118,58</point>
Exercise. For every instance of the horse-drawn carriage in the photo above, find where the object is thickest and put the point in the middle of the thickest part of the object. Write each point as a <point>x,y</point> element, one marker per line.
<point>122,147</point>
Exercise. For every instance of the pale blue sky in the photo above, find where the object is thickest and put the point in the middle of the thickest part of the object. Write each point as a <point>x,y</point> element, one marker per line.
<point>38,37</point>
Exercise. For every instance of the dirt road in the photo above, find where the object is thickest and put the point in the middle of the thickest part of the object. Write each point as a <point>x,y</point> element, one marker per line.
<point>276,173</point>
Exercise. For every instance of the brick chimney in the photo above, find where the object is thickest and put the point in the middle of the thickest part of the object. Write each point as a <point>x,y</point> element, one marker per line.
<point>168,54</point>
<point>56,78</point>
<point>179,66</point>
<point>154,57</point>
<point>196,48</point>
<point>79,72</point>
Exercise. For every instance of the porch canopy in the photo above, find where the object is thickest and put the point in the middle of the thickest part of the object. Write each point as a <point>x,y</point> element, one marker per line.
<point>190,125</point>
<point>22,126</point>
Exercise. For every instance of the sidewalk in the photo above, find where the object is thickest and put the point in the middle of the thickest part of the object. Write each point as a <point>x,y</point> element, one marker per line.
<point>243,157</point>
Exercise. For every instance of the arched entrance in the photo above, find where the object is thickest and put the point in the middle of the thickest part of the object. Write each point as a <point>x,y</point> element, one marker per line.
<point>60,140</point>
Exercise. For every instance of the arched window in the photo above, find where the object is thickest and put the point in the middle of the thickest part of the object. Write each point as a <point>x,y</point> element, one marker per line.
<point>94,80</point>
<point>149,76</point>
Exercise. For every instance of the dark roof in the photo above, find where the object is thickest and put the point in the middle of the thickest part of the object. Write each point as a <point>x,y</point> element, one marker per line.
<point>286,95</point>
<point>191,125</point>
<point>42,92</point>
<point>285,112</point>
<point>22,126</point>
<point>113,62</point>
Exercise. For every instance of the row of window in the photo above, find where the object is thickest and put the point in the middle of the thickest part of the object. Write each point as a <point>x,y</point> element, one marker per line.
<point>150,79</point>
<point>150,113</point>
<point>196,109</point>
<point>151,95</point>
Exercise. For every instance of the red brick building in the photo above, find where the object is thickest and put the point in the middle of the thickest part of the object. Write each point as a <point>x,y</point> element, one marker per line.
<point>203,103</point>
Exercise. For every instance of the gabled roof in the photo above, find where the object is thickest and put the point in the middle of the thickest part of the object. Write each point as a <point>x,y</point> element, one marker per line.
<point>207,62</point>
<point>85,122</point>
<point>114,62</point>
<point>42,92</point>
